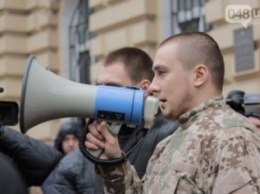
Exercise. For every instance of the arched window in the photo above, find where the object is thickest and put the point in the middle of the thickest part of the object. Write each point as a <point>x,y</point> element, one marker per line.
<point>74,47</point>
<point>79,36</point>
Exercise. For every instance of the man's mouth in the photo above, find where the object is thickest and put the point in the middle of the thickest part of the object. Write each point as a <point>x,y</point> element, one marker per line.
<point>162,101</point>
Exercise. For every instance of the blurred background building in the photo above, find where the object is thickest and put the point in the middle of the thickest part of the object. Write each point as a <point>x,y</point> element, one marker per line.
<point>72,37</point>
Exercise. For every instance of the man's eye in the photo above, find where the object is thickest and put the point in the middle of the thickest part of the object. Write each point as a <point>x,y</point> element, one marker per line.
<point>161,72</point>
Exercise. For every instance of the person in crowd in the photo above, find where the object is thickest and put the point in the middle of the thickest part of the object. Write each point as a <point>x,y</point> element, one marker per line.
<point>67,139</point>
<point>10,176</point>
<point>24,161</point>
<point>254,117</point>
<point>33,159</point>
<point>235,99</point>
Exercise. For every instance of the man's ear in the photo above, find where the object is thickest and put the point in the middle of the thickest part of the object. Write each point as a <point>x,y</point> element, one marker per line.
<point>201,74</point>
<point>145,84</point>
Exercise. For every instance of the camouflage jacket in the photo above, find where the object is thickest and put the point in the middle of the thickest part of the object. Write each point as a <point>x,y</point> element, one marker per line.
<point>215,150</point>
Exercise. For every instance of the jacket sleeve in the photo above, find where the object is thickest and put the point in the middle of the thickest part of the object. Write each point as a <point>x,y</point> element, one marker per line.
<point>58,182</point>
<point>10,176</point>
<point>34,159</point>
<point>73,175</point>
<point>120,179</point>
<point>62,180</point>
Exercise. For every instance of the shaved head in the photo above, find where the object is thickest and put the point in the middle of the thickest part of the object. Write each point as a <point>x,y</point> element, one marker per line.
<point>199,48</point>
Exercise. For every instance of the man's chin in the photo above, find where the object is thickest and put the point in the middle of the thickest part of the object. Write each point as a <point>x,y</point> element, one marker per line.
<point>168,115</point>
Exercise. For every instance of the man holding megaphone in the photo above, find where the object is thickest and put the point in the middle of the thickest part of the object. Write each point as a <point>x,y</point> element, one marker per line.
<point>215,150</point>
<point>123,67</point>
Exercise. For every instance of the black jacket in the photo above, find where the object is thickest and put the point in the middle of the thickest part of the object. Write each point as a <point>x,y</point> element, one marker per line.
<point>76,175</point>
<point>11,181</point>
<point>34,159</point>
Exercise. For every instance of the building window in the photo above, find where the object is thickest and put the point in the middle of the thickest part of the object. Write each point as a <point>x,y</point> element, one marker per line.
<point>79,36</point>
<point>188,15</point>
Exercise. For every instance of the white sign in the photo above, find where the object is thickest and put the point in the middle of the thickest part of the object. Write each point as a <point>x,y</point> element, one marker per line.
<point>242,14</point>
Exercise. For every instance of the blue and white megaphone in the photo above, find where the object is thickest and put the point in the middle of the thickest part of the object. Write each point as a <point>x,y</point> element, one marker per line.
<point>46,96</point>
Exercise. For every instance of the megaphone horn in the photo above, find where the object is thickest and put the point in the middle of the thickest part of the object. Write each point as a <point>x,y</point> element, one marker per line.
<point>46,96</point>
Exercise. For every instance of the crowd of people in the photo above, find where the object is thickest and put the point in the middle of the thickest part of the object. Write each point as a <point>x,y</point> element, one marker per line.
<point>196,144</point>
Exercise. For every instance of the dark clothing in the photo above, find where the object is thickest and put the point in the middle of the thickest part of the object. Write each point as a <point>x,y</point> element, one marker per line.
<point>66,128</point>
<point>11,181</point>
<point>73,175</point>
<point>34,159</point>
<point>76,175</point>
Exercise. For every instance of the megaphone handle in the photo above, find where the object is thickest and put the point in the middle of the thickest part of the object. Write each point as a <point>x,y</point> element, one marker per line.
<point>95,153</point>
<point>114,128</point>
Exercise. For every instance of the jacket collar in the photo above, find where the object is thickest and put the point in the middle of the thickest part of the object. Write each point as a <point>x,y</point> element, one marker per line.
<point>203,109</point>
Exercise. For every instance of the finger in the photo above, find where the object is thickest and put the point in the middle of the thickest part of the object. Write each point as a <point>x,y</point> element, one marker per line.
<point>103,130</point>
<point>94,131</point>
<point>93,140</point>
<point>91,146</point>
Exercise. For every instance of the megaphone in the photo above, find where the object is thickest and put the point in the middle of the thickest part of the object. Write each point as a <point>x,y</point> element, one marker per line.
<point>46,96</point>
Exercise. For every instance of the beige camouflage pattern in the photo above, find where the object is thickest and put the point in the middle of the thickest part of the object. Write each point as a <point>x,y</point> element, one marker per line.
<point>215,150</point>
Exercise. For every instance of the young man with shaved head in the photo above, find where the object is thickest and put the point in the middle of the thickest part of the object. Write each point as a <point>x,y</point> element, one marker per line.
<point>215,149</point>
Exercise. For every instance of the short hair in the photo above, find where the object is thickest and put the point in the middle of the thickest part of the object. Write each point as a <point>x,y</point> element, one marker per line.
<point>199,47</point>
<point>137,63</point>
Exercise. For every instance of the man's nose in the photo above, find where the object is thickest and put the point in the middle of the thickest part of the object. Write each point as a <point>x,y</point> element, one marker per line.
<point>71,142</point>
<point>154,88</point>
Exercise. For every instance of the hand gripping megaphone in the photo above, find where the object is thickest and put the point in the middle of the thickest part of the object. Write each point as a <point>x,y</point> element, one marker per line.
<point>46,96</point>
